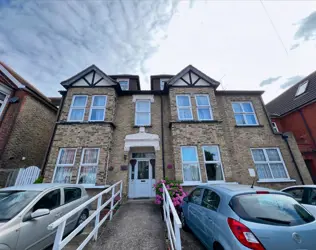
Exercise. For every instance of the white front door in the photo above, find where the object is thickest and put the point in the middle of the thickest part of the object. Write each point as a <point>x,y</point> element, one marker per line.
<point>140,181</point>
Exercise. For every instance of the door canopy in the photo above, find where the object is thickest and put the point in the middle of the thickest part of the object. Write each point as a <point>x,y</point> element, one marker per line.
<point>141,139</point>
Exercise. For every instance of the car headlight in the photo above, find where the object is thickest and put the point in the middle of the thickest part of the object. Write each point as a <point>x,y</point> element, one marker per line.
<point>4,247</point>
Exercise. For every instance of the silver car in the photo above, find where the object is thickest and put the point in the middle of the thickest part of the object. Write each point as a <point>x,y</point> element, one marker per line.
<point>238,217</point>
<point>26,211</point>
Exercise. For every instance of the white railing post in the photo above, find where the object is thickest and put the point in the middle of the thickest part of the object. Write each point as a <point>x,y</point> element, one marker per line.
<point>177,234</point>
<point>112,202</point>
<point>59,235</point>
<point>121,191</point>
<point>97,218</point>
<point>164,205</point>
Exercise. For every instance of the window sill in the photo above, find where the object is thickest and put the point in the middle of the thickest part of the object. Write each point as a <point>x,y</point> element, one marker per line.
<point>275,181</point>
<point>193,183</point>
<point>85,122</point>
<point>249,126</point>
<point>145,126</point>
<point>193,121</point>
<point>89,186</point>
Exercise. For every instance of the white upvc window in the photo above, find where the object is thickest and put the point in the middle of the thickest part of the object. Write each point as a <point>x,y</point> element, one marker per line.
<point>275,127</point>
<point>142,113</point>
<point>77,108</point>
<point>162,83</point>
<point>124,83</point>
<point>244,114</point>
<point>89,166</point>
<point>64,165</point>
<point>213,164</point>
<point>203,106</point>
<point>98,107</point>
<point>184,107</point>
<point>301,88</point>
<point>269,164</point>
<point>190,165</point>
<point>3,101</point>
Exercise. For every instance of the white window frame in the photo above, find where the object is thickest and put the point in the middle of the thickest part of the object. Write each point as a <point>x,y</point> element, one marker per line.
<point>184,107</point>
<point>275,127</point>
<point>4,102</point>
<point>209,106</point>
<point>80,107</point>
<point>88,165</point>
<point>268,162</point>
<point>189,183</point>
<point>64,165</point>
<point>162,82</point>
<point>301,89</point>
<point>125,80</point>
<point>218,162</point>
<point>244,113</point>
<point>149,113</point>
<point>98,107</point>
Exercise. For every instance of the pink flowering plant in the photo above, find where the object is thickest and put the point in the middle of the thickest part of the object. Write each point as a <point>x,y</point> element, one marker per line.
<point>174,189</point>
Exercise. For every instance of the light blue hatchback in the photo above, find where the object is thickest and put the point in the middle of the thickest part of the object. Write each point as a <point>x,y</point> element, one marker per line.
<point>238,217</point>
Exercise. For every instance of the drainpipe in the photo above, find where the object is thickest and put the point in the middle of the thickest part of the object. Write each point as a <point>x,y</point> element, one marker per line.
<point>307,128</point>
<point>285,138</point>
<point>53,134</point>
<point>162,138</point>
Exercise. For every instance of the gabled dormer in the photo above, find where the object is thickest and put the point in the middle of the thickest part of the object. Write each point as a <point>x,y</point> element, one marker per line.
<point>127,82</point>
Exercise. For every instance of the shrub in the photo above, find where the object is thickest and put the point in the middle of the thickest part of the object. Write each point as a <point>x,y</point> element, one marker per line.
<point>175,191</point>
<point>39,180</point>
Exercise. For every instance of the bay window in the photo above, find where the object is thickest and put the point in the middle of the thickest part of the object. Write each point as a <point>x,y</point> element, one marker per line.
<point>269,164</point>
<point>77,108</point>
<point>190,165</point>
<point>64,165</point>
<point>89,166</point>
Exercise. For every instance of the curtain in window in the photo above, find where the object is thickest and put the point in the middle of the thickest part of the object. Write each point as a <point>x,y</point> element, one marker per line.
<point>90,156</point>
<point>79,101</point>
<point>185,113</point>
<point>67,156</point>
<point>76,114</point>
<point>88,175</point>
<point>258,155</point>
<point>204,113</point>
<point>97,115</point>
<point>273,155</point>
<point>278,170</point>
<point>99,101</point>
<point>214,171</point>
<point>263,171</point>
<point>191,172</point>
<point>63,175</point>
<point>183,101</point>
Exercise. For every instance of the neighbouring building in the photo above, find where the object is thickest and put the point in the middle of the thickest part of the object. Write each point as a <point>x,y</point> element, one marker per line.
<point>183,128</point>
<point>295,111</point>
<point>27,119</point>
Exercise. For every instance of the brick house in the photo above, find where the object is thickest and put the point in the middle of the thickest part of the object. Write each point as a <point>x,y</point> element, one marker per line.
<point>27,119</point>
<point>295,111</point>
<point>108,129</point>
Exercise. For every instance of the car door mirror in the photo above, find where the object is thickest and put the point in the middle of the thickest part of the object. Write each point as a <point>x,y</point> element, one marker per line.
<point>39,213</point>
<point>186,199</point>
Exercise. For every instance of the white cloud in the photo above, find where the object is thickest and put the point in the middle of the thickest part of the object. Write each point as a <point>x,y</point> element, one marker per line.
<point>269,81</point>
<point>291,81</point>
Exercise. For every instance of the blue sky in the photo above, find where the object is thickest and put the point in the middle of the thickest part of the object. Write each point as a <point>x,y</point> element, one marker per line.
<point>47,42</point>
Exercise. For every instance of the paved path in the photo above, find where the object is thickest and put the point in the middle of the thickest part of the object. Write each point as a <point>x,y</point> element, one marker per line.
<point>189,241</point>
<point>136,225</point>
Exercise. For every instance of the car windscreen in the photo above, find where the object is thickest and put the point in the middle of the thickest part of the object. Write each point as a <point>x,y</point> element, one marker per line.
<point>12,202</point>
<point>273,209</point>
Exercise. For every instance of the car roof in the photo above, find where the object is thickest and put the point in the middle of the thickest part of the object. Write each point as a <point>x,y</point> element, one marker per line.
<point>39,187</point>
<point>300,186</point>
<point>235,189</point>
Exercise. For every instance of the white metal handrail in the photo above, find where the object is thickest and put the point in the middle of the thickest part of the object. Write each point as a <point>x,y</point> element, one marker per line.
<point>173,231</point>
<point>60,243</point>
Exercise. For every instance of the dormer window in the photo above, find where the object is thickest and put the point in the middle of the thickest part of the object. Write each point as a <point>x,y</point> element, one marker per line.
<point>301,88</point>
<point>162,83</point>
<point>124,83</point>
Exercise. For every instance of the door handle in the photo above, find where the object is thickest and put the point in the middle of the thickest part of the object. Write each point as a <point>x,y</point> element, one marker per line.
<point>143,181</point>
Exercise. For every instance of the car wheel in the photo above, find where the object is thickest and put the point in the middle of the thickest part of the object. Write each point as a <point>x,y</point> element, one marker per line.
<point>183,222</point>
<point>83,216</point>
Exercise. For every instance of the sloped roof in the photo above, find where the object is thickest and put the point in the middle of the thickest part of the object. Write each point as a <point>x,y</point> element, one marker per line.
<point>67,83</point>
<point>287,101</point>
<point>195,71</point>
<point>22,81</point>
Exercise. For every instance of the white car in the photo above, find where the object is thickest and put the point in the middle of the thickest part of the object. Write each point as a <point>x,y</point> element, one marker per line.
<point>304,194</point>
<point>26,211</point>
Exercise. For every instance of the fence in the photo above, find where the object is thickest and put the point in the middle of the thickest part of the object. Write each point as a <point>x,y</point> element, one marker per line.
<point>60,243</point>
<point>23,176</point>
<point>173,230</point>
